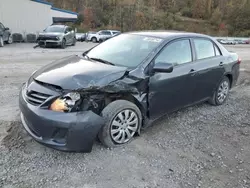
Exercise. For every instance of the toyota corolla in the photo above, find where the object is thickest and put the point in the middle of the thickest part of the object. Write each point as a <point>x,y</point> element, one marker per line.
<point>121,86</point>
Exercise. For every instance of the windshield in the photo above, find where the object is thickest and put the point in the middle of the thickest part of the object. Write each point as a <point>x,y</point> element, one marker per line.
<point>125,50</point>
<point>56,29</point>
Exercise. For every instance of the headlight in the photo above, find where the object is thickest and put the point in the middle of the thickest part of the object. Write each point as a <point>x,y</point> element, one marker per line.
<point>65,103</point>
<point>57,38</point>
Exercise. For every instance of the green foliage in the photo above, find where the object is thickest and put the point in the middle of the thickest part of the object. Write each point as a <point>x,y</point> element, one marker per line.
<point>203,16</point>
<point>187,12</point>
<point>216,18</point>
<point>79,19</point>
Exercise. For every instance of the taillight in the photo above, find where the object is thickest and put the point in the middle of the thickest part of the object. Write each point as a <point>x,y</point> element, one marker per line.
<point>239,61</point>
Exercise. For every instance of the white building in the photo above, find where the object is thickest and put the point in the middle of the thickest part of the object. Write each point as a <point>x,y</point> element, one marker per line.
<point>31,16</point>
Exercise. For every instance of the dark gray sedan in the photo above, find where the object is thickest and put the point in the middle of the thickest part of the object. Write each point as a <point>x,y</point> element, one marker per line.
<point>57,35</point>
<point>122,85</point>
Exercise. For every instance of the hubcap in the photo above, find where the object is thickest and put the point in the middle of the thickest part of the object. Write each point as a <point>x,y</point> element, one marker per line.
<point>223,91</point>
<point>10,39</point>
<point>124,126</point>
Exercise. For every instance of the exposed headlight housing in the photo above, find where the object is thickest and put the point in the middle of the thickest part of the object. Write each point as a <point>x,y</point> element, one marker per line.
<point>65,103</point>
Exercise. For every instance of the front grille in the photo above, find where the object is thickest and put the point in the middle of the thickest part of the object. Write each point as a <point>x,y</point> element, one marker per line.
<point>36,98</point>
<point>41,37</point>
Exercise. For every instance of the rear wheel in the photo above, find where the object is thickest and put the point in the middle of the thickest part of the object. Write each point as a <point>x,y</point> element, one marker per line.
<point>122,121</point>
<point>221,93</point>
<point>1,41</point>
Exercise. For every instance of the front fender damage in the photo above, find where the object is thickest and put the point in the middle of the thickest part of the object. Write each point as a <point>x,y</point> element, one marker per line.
<point>127,87</point>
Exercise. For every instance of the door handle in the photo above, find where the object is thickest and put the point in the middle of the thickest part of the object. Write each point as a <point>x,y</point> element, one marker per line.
<point>192,72</point>
<point>221,64</point>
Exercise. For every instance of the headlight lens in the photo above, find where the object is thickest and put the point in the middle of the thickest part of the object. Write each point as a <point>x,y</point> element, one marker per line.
<point>65,103</point>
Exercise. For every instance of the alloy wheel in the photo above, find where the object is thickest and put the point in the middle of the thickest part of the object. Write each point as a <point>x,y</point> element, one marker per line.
<point>124,126</point>
<point>10,40</point>
<point>223,91</point>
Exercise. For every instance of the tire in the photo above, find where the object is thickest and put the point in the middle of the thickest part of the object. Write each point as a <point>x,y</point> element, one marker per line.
<point>74,42</point>
<point>10,40</point>
<point>63,45</point>
<point>94,39</point>
<point>110,115</point>
<point>215,100</point>
<point>1,42</point>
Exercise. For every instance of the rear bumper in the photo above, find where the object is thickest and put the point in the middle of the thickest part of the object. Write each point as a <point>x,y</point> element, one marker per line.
<point>61,131</point>
<point>235,74</point>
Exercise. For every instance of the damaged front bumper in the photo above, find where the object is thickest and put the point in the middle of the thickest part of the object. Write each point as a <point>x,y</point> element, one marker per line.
<point>63,131</point>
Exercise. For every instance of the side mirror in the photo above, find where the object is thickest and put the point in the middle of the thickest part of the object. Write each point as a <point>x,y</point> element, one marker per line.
<point>6,28</point>
<point>163,67</point>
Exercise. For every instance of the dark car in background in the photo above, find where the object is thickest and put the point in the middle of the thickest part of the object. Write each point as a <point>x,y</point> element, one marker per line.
<point>5,35</point>
<point>121,86</point>
<point>57,35</point>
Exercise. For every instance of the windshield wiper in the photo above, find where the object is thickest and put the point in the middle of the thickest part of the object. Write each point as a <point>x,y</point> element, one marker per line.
<point>102,61</point>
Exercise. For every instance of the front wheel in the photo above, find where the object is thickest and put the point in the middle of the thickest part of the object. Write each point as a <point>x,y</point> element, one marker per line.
<point>63,45</point>
<point>94,40</point>
<point>221,93</point>
<point>10,40</point>
<point>1,41</point>
<point>122,120</point>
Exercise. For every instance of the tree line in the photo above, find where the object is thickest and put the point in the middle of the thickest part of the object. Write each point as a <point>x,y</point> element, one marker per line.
<point>218,17</point>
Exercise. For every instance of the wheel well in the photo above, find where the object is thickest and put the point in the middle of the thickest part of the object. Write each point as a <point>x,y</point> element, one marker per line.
<point>230,77</point>
<point>127,97</point>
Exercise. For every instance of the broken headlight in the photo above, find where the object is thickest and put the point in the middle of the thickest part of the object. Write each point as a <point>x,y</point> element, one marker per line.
<point>66,103</point>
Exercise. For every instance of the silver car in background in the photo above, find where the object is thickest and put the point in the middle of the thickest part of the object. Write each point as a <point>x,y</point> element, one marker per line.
<point>102,35</point>
<point>57,35</point>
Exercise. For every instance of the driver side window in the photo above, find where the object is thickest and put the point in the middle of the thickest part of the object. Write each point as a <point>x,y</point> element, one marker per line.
<point>177,52</point>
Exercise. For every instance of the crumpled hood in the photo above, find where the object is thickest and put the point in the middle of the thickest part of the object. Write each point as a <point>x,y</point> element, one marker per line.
<point>73,73</point>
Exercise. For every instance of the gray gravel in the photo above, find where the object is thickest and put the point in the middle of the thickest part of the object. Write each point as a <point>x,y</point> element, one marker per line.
<point>201,146</point>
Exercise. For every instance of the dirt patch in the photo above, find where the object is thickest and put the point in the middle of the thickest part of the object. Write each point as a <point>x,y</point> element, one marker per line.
<point>15,134</point>
<point>244,78</point>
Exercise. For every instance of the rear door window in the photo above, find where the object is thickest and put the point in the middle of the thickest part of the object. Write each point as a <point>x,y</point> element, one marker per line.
<point>204,48</point>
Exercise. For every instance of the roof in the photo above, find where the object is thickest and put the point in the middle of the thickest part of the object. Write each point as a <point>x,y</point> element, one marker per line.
<point>57,25</point>
<point>43,2</point>
<point>65,11</point>
<point>165,34</point>
<point>53,8</point>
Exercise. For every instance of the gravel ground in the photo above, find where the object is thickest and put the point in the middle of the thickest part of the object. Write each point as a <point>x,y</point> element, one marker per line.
<point>201,146</point>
